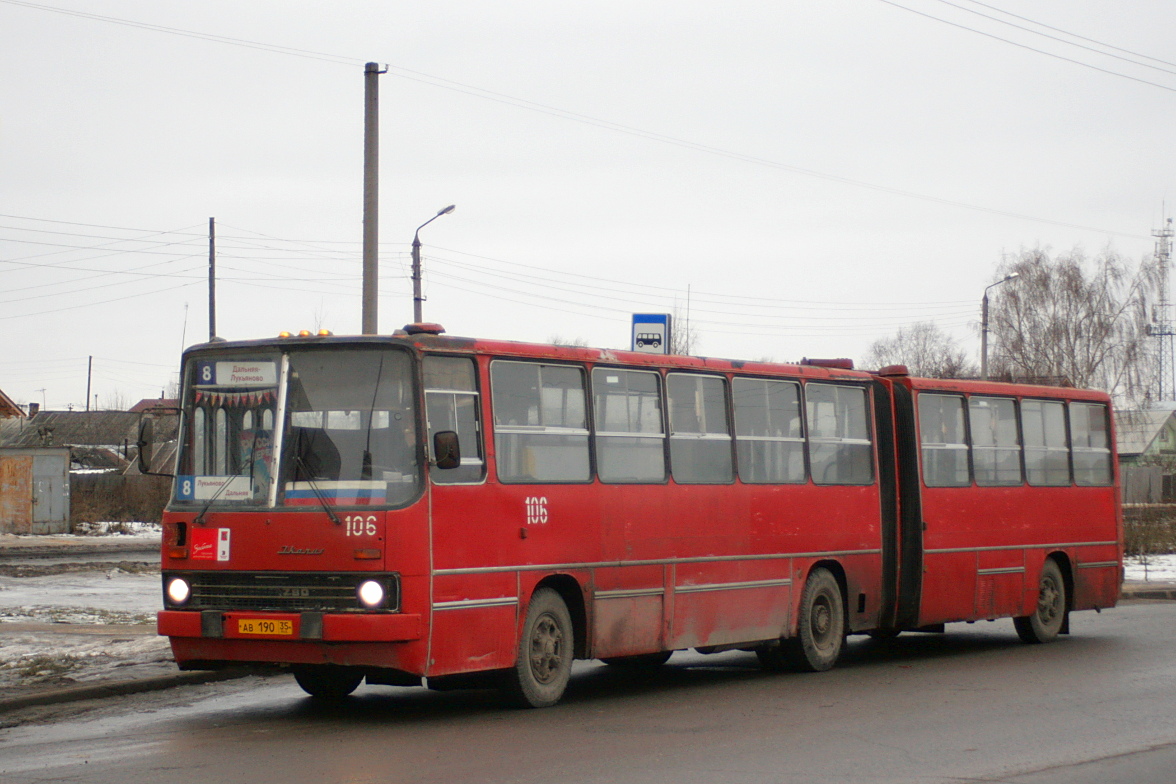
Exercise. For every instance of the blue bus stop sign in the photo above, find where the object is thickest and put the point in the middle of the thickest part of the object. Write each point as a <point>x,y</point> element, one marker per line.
<point>651,333</point>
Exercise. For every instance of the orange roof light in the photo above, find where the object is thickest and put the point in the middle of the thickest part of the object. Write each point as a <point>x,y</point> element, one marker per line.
<point>325,333</point>
<point>304,333</point>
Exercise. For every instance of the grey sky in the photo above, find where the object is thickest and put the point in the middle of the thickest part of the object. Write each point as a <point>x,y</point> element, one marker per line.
<point>117,143</point>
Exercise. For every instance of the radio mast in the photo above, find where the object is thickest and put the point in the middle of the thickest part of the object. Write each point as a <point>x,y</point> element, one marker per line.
<point>1161,326</point>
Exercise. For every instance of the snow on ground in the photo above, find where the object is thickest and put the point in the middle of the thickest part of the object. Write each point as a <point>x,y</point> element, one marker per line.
<point>1152,568</point>
<point>76,647</point>
<point>120,530</point>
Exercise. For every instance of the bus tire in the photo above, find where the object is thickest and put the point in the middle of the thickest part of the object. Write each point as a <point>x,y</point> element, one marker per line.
<point>641,661</point>
<point>327,681</point>
<point>821,629</point>
<point>546,646</point>
<point>1047,620</point>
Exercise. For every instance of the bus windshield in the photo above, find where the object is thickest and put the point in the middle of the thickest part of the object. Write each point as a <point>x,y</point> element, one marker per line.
<point>350,435</point>
<point>345,431</point>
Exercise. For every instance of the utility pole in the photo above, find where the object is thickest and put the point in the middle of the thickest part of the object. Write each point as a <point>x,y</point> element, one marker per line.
<point>89,375</point>
<point>1161,326</point>
<point>212,278</point>
<point>371,197</point>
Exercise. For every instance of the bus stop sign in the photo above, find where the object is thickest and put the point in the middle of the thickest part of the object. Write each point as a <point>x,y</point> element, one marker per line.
<point>651,333</point>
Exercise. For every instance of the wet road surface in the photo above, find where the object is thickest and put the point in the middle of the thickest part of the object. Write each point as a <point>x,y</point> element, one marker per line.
<point>972,705</point>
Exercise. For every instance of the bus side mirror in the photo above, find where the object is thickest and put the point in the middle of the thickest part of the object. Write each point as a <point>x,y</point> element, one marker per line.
<point>446,449</point>
<point>146,444</point>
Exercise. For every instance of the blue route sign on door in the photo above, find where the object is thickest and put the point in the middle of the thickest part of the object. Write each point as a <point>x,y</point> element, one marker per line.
<point>651,333</point>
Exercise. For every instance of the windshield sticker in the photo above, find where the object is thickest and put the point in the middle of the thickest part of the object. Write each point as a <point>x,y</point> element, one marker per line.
<point>337,493</point>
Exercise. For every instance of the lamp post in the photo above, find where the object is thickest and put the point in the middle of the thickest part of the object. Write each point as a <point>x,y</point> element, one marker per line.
<point>417,299</point>
<point>984,324</point>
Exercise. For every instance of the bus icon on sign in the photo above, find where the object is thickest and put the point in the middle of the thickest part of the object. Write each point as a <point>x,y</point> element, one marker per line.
<point>652,339</point>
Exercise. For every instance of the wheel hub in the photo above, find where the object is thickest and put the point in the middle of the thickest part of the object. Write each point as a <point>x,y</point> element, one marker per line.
<point>546,649</point>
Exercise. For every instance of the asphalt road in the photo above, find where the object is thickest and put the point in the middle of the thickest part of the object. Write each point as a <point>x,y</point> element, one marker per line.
<point>972,705</point>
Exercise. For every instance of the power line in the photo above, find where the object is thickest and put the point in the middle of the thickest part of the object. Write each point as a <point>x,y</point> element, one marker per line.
<point>1011,42</point>
<point>460,87</point>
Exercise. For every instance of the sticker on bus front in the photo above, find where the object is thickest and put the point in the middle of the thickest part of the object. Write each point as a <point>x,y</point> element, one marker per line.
<point>210,544</point>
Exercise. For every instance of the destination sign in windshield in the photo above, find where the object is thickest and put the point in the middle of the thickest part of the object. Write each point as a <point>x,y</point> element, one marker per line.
<point>246,373</point>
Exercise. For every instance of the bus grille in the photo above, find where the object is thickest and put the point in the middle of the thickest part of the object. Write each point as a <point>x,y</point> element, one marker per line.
<point>282,591</point>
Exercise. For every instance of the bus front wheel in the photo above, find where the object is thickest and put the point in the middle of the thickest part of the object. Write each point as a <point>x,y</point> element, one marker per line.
<point>1046,621</point>
<point>326,681</point>
<point>546,648</point>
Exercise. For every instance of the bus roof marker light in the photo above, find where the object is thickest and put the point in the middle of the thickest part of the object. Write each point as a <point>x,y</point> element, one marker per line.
<point>424,328</point>
<point>895,370</point>
<point>304,333</point>
<point>325,333</point>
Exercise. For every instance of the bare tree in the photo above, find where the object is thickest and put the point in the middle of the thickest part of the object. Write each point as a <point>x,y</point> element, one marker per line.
<point>925,349</point>
<point>1073,320</point>
<point>559,340</point>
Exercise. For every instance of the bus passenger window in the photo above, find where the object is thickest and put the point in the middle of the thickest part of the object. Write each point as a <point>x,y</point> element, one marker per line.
<point>996,447</point>
<point>630,436</point>
<point>1047,458</point>
<point>769,440</point>
<point>700,441</point>
<point>944,440</point>
<point>840,450</point>
<point>451,403</point>
<point>1091,444</point>
<point>540,422</point>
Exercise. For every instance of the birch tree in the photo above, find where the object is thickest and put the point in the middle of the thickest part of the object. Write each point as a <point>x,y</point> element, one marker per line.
<point>1073,320</point>
<point>925,349</point>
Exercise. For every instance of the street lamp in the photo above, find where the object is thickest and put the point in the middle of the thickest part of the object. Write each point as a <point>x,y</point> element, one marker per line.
<point>984,324</point>
<point>417,299</point>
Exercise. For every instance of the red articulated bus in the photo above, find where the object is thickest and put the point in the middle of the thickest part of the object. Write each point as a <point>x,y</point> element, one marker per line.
<point>473,511</point>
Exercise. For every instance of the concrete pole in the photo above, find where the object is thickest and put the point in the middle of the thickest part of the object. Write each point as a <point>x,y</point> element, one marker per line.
<point>371,197</point>
<point>211,278</point>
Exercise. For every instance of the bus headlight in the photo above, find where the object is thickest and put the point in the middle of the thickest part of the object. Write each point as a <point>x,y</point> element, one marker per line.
<point>371,594</point>
<point>178,591</point>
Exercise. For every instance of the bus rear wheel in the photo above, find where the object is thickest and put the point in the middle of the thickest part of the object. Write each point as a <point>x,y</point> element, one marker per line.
<point>327,681</point>
<point>546,647</point>
<point>821,633</point>
<point>1046,621</point>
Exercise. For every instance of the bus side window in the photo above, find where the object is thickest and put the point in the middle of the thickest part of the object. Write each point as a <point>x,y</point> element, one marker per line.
<point>451,403</point>
<point>996,447</point>
<point>944,440</point>
<point>1091,442</point>
<point>700,441</point>
<point>840,449</point>
<point>1047,458</point>
<point>540,422</point>
<point>769,437</point>
<point>630,434</point>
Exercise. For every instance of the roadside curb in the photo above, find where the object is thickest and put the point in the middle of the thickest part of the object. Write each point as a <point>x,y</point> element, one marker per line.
<point>120,688</point>
<point>1149,591</point>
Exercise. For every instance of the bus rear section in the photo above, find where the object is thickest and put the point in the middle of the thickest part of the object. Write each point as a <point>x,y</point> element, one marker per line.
<point>1014,497</point>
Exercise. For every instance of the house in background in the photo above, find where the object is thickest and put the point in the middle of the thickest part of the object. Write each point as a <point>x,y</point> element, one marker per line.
<point>8,407</point>
<point>1147,455</point>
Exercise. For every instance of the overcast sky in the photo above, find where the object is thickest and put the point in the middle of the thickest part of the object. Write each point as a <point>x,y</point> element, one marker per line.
<point>815,174</point>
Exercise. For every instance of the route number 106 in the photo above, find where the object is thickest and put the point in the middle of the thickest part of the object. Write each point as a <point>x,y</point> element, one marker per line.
<point>358,525</point>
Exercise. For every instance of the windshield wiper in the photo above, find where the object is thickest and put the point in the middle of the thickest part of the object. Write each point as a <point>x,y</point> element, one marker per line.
<point>322,499</point>
<point>199,519</point>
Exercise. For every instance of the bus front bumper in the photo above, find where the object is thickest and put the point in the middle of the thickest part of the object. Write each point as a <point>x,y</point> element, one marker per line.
<point>270,626</point>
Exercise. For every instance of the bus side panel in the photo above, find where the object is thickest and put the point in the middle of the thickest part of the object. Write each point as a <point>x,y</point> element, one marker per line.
<point>474,621</point>
<point>628,610</point>
<point>724,602</point>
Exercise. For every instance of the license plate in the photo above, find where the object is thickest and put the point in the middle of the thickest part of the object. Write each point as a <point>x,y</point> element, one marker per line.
<point>264,626</point>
